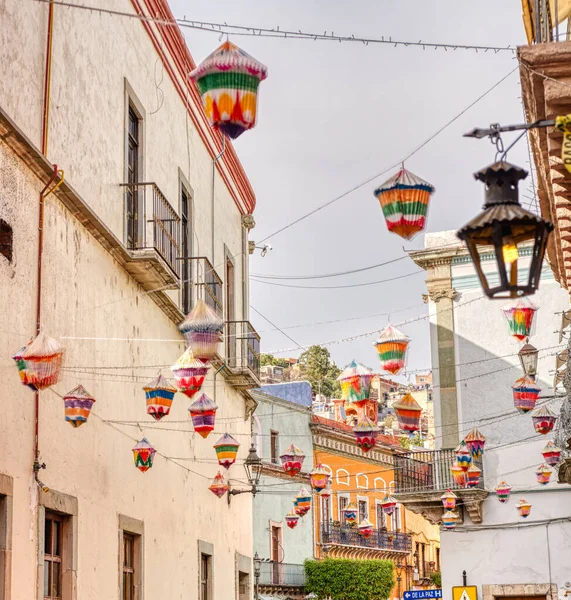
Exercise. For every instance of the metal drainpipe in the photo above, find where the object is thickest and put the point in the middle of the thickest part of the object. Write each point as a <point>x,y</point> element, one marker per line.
<point>215,160</point>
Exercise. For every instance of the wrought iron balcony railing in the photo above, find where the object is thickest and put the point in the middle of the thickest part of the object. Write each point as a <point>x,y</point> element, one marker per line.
<point>380,539</point>
<point>427,471</point>
<point>209,282</point>
<point>243,347</point>
<point>281,574</point>
<point>151,222</point>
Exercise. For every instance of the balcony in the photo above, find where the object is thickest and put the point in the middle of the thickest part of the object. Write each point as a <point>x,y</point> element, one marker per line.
<point>152,236</point>
<point>281,574</point>
<point>336,534</point>
<point>243,354</point>
<point>422,477</point>
<point>209,283</point>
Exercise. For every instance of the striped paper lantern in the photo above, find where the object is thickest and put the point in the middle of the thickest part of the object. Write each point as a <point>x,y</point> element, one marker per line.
<point>228,81</point>
<point>543,474</point>
<point>391,348</point>
<point>520,315</point>
<point>39,362</point>
<point>202,330</point>
<point>543,420</point>
<point>449,500</point>
<point>292,519</point>
<point>189,373</point>
<point>292,460</point>
<point>77,406</point>
<point>350,513</point>
<point>458,474</point>
<point>366,434</point>
<point>463,456</point>
<point>388,504</point>
<point>449,519</point>
<point>203,415</point>
<point>302,502</point>
<point>473,476</point>
<point>159,394</point>
<point>551,454</point>
<point>319,478</point>
<point>404,200</point>
<point>226,450</point>
<point>144,454</point>
<point>503,491</point>
<point>525,393</point>
<point>475,441</point>
<point>408,410</point>
<point>355,381</point>
<point>219,485</point>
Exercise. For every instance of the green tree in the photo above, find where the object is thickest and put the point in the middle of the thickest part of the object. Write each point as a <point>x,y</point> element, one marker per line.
<point>344,579</point>
<point>408,442</point>
<point>270,359</point>
<point>436,578</point>
<point>320,371</point>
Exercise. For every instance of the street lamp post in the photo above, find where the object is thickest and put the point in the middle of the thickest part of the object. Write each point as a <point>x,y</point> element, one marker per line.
<point>253,468</point>
<point>257,571</point>
<point>399,576</point>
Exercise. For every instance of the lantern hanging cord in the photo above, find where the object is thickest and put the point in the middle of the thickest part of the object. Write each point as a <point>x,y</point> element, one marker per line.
<point>222,29</point>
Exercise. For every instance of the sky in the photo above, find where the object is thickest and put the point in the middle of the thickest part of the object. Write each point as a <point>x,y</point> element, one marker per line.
<point>332,115</point>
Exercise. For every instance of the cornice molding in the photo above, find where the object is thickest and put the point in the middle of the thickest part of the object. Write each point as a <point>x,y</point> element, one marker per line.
<point>437,295</point>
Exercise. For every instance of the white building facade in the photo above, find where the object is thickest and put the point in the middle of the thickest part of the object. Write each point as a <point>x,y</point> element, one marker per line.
<point>147,211</point>
<point>475,363</point>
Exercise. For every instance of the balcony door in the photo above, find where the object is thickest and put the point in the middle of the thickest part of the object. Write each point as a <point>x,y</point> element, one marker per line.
<point>186,249</point>
<point>133,206</point>
<point>233,334</point>
<point>276,546</point>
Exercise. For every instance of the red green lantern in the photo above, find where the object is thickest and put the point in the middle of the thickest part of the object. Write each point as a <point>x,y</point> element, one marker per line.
<point>408,410</point>
<point>226,450</point>
<point>159,394</point>
<point>404,200</point>
<point>551,454</point>
<point>144,454</point>
<point>365,528</point>
<point>520,315</point>
<point>292,519</point>
<point>292,460</point>
<point>503,491</point>
<point>203,414</point>
<point>391,348</point>
<point>77,406</point>
<point>366,434</point>
<point>543,420</point>
<point>525,393</point>
<point>475,441</point>
<point>219,485</point>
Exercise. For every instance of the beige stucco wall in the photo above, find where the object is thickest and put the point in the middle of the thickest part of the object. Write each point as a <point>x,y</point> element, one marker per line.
<point>87,294</point>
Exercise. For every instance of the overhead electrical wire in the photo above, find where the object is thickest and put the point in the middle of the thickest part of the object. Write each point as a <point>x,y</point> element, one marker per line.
<point>335,287</point>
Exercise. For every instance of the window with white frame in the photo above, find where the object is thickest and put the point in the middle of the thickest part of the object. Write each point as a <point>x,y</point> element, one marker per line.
<point>343,477</point>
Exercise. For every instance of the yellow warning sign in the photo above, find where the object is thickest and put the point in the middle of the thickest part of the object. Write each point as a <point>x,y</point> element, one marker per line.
<point>465,592</point>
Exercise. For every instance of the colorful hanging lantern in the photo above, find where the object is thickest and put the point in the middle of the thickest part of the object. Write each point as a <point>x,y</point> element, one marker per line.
<point>543,474</point>
<point>366,434</point>
<point>519,315</point>
<point>551,454</point>
<point>404,200</point>
<point>475,441</point>
<point>189,373</point>
<point>326,492</point>
<point>203,414</point>
<point>408,410</point>
<point>319,478</point>
<point>503,491</point>
<point>388,504</point>
<point>226,450</point>
<point>524,508</point>
<point>449,519</point>
<point>449,500</point>
<point>355,382</point>
<point>391,348</point>
<point>543,420</point>
<point>302,502</point>
<point>144,454</point>
<point>458,474</point>
<point>219,485</point>
<point>77,406</point>
<point>365,528</point>
<point>350,513</point>
<point>291,519</point>
<point>525,393</point>
<point>473,476</point>
<point>39,363</point>
<point>202,330</point>
<point>159,394</point>
<point>292,460</point>
<point>463,456</point>
<point>228,81</point>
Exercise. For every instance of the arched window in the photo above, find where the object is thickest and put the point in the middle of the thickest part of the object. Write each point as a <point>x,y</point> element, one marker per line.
<point>380,484</point>
<point>342,477</point>
<point>6,240</point>
<point>362,481</point>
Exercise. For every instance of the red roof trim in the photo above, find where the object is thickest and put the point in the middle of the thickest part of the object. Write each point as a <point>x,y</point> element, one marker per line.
<point>172,38</point>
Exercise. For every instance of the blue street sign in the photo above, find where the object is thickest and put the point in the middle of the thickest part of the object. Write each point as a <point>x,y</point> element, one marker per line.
<point>422,594</point>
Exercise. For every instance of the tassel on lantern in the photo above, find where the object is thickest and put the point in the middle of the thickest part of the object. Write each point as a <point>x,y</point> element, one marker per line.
<point>391,348</point>
<point>292,460</point>
<point>350,513</point>
<point>77,406</point>
<point>319,478</point>
<point>366,434</point>
<point>226,450</point>
<point>463,456</point>
<point>203,414</point>
<point>473,476</point>
<point>475,441</point>
<point>551,454</point>
<point>189,373</point>
<point>525,393</point>
<point>503,491</point>
<point>458,474</point>
<point>291,519</point>
<point>144,454</point>
<point>519,315</point>
<point>302,502</point>
<point>202,330</point>
<point>404,200</point>
<point>365,528</point>
<point>228,81</point>
<point>543,474</point>
<point>388,505</point>
<point>219,485</point>
<point>449,519</point>
<point>449,500</point>
<point>159,394</point>
<point>524,508</point>
<point>39,363</point>
<point>408,410</point>
<point>543,420</point>
<point>355,382</point>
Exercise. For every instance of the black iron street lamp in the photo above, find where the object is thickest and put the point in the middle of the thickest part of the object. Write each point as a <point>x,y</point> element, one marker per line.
<point>399,576</point>
<point>528,358</point>
<point>253,468</point>
<point>501,229</point>
<point>257,572</point>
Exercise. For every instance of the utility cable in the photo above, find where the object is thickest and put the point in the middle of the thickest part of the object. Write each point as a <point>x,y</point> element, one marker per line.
<point>335,287</point>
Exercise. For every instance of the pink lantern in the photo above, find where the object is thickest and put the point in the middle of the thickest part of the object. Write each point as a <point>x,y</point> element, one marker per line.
<point>292,519</point>
<point>366,434</point>
<point>525,393</point>
<point>292,460</point>
<point>203,414</point>
<point>463,456</point>
<point>543,420</point>
<point>543,474</point>
<point>319,478</point>
<point>219,486</point>
<point>189,373</point>
<point>388,504</point>
<point>475,441</point>
<point>503,491</point>
<point>202,329</point>
<point>551,454</point>
<point>473,476</point>
<point>524,508</point>
<point>449,500</point>
<point>365,528</point>
<point>326,492</point>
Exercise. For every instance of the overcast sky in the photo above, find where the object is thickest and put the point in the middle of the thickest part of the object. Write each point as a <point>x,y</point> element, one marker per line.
<point>332,115</point>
